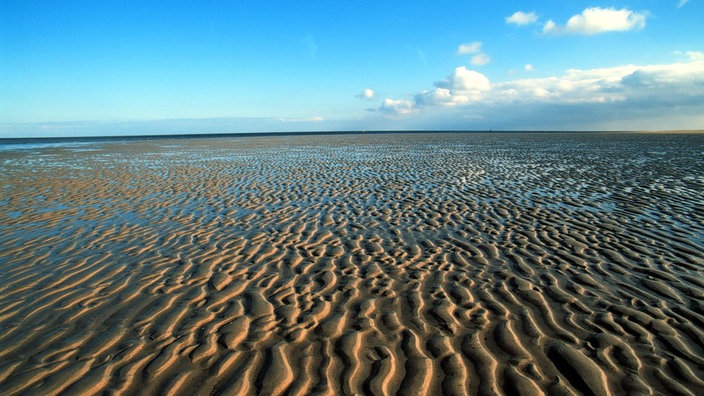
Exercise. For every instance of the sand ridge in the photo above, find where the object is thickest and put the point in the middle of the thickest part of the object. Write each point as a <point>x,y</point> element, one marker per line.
<point>382,264</point>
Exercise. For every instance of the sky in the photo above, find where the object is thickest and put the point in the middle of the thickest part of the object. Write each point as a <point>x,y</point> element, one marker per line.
<point>70,68</point>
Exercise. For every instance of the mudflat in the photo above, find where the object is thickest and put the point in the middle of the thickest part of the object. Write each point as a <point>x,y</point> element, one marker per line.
<point>348,264</point>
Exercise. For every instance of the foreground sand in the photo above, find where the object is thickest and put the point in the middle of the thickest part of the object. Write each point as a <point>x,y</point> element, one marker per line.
<point>416,264</point>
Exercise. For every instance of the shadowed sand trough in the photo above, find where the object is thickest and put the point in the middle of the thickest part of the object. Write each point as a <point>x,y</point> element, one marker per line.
<point>416,264</point>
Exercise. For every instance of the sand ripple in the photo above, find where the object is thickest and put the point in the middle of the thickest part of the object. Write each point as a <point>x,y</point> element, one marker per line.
<point>377,264</point>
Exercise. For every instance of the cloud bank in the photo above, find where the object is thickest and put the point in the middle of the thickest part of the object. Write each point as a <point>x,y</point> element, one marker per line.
<point>596,20</point>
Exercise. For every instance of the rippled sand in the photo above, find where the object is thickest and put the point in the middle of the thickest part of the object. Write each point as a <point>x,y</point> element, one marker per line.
<point>416,264</point>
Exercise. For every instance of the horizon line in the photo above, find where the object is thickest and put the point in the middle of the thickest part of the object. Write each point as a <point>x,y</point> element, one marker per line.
<point>19,140</point>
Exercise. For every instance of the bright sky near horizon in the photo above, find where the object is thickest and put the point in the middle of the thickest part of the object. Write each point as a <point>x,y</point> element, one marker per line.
<point>116,67</point>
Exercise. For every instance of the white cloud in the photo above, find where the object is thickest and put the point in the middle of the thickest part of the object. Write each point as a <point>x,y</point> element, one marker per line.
<point>611,95</point>
<point>475,48</point>
<point>681,3</point>
<point>520,18</point>
<point>471,48</point>
<point>391,106</point>
<point>550,26</point>
<point>463,86</point>
<point>480,59</point>
<point>528,67</point>
<point>597,20</point>
<point>463,79</point>
<point>608,85</point>
<point>368,94</point>
<point>441,97</point>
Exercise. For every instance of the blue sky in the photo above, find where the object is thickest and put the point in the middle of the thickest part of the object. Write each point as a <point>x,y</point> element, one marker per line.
<point>101,67</point>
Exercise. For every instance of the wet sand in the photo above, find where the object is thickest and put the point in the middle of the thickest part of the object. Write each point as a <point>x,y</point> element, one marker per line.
<point>414,264</point>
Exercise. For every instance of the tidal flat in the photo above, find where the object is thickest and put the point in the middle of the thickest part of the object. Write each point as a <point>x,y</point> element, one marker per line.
<point>458,263</point>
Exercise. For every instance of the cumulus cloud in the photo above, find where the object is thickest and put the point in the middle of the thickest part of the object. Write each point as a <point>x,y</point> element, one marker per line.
<point>462,87</point>
<point>368,94</point>
<point>640,92</point>
<point>400,106</point>
<point>528,67</point>
<point>463,79</point>
<point>471,48</point>
<point>550,27</point>
<point>474,48</point>
<point>520,18</point>
<point>595,20</point>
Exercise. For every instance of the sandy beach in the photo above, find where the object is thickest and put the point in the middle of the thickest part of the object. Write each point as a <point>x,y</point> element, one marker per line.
<point>476,264</point>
